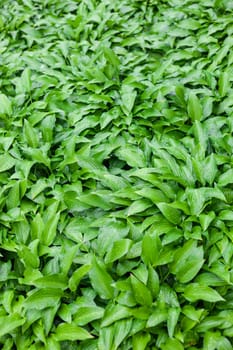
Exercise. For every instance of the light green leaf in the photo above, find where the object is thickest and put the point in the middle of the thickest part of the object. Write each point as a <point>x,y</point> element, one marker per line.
<point>139,206</point>
<point>10,323</point>
<point>128,96</point>
<point>172,344</point>
<point>224,83</point>
<point>43,298</point>
<point>157,316</point>
<point>140,341</point>
<point>118,250</point>
<point>101,280</point>
<point>77,276</point>
<point>151,246</point>
<point>115,313</point>
<point>171,214</point>
<point>196,291</point>
<point>5,106</point>
<point>87,314</point>
<point>172,319</point>
<point>30,135</point>
<point>141,293</point>
<point>133,156</point>
<point>121,330</point>
<point>226,178</point>
<point>6,162</point>
<point>65,331</point>
<point>194,107</point>
<point>188,261</point>
<point>52,281</point>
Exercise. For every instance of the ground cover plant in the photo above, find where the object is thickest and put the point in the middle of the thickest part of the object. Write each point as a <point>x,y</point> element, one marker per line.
<point>116,174</point>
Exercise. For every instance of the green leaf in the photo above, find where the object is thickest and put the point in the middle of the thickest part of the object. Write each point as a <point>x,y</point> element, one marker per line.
<point>43,298</point>
<point>156,196</point>
<point>5,106</point>
<point>223,83</point>
<point>87,314</point>
<point>13,198</point>
<point>6,162</point>
<point>118,250</point>
<point>121,330</point>
<point>226,178</point>
<point>26,80</point>
<point>115,313</point>
<point>10,323</point>
<point>194,107</point>
<point>153,282</point>
<point>101,280</point>
<point>30,135</point>
<point>77,276</point>
<point>106,337</point>
<point>141,293</point>
<point>188,261</point>
<point>151,247</point>
<point>210,169</point>
<point>128,96</point>
<point>157,316</point>
<point>139,206</point>
<point>56,281</point>
<point>171,214</point>
<point>133,156</point>
<point>172,319</point>
<point>65,331</point>
<point>140,341</point>
<point>196,291</point>
<point>172,344</point>
<point>198,196</point>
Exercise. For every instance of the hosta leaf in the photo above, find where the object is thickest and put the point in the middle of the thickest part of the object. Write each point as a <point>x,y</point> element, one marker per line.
<point>133,156</point>
<point>156,196</point>
<point>77,276</point>
<point>172,344</point>
<point>87,314</point>
<point>121,330</point>
<point>6,162</point>
<point>65,331</point>
<point>10,323</point>
<point>141,292</point>
<point>52,281</point>
<point>210,169</point>
<point>43,298</point>
<point>197,198</point>
<point>128,96</point>
<point>172,319</point>
<point>194,107</point>
<point>119,249</point>
<point>30,135</point>
<point>139,206</point>
<point>140,341</point>
<point>151,246</point>
<point>153,282</point>
<point>114,313</point>
<point>5,105</point>
<point>171,214</point>
<point>106,337</point>
<point>226,178</point>
<point>196,291</point>
<point>223,83</point>
<point>188,260</point>
<point>101,280</point>
<point>158,316</point>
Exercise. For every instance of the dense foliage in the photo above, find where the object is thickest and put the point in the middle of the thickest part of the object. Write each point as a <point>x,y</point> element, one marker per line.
<point>116,221</point>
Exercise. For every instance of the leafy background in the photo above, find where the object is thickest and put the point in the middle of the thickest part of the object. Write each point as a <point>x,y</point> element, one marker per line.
<point>116,174</point>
